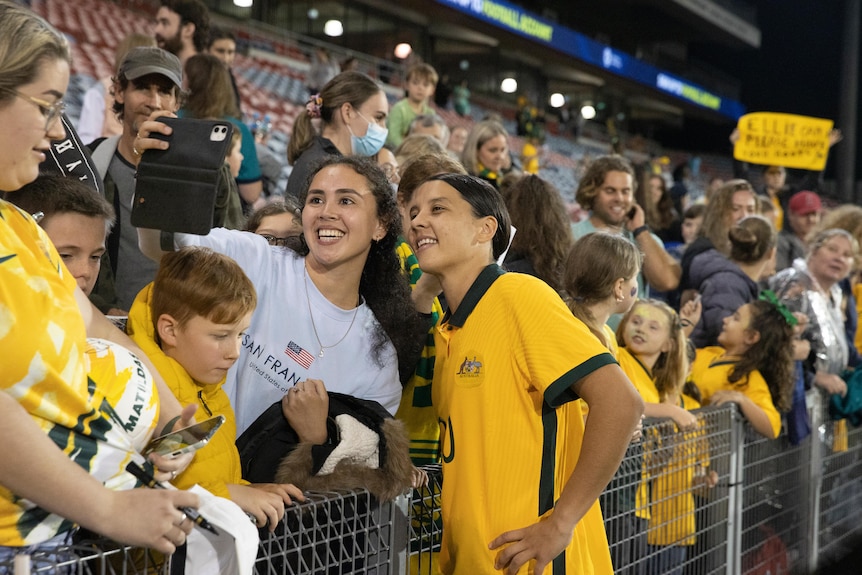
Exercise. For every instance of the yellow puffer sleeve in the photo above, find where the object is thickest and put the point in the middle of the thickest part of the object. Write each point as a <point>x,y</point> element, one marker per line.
<point>216,464</point>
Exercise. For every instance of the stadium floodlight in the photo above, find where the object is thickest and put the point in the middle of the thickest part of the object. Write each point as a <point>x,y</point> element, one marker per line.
<point>557,100</point>
<point>509,85</point>
<point>403,50</point>
<point>588,111</point>
<point>333,28</point>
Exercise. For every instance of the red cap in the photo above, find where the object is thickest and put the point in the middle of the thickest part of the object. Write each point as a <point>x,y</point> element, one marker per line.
<point>805,202</point>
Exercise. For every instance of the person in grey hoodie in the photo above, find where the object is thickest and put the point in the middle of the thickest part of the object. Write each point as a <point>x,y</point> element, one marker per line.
<point>726,283</point>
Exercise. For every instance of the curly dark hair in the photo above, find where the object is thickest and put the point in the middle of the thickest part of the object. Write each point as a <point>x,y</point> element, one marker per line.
<point>772,355</point>
<point>383,284</point>
<point>591,182</point>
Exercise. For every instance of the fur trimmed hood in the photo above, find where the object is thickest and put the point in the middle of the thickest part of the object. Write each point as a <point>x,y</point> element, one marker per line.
<point>365,449</point>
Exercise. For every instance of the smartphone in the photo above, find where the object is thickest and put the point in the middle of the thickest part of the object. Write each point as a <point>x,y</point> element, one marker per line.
<point>176,190</point>
<point>631,213</point>
<point>185,440</point>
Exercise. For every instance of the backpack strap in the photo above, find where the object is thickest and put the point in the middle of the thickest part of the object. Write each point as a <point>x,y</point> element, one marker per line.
<point>101,152</point>
<point>71,159</point>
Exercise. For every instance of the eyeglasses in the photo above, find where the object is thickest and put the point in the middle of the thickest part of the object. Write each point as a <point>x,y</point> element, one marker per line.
<point>390,170</point>
<point>274,241</point>
<point>51,111</point>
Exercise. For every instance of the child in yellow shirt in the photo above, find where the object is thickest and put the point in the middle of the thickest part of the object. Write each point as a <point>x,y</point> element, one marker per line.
<point>753,367</point>
<point>190,322</point>
<point>653,355</point>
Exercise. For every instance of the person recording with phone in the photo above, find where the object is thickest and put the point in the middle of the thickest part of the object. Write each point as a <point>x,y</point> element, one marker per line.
<point>607,191</point>
<point>149,80</point>
<point>57,469</point>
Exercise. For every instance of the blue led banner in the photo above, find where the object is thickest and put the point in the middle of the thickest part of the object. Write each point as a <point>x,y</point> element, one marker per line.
<point>519,21</point>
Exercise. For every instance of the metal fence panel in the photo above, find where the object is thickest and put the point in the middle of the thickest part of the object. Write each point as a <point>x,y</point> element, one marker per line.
<point>664,461</point>
<point>344,533</point>
<point>772,507</point>
<point>667,507</point>
<point>88,557</point>
<point>425,525</point>
<point>775,505</point>
<point>841,496</point>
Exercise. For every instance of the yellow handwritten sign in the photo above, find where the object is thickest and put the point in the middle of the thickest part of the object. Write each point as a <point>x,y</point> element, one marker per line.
<point>783,140</point>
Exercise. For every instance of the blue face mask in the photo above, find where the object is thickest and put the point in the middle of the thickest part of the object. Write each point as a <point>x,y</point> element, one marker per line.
<point>371,142</point>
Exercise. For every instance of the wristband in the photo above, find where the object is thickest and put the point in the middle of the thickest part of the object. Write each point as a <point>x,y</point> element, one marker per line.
<point>639,230</point>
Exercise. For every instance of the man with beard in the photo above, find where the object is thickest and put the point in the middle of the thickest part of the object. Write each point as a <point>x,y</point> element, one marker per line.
<point>182,27</point>
<point>607,191</point>
<point>149,80</point>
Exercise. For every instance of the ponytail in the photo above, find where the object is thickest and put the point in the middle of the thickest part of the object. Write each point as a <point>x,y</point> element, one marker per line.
<point>301,138</point>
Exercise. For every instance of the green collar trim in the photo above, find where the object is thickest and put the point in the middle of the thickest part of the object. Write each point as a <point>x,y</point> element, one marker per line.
<point>638,361</point>
<point>486,278</point>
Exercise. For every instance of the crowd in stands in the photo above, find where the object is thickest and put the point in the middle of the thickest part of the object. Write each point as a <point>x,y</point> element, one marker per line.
<point>414,292</point>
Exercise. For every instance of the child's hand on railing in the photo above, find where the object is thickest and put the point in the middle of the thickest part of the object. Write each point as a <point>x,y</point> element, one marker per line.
<point>684,419</point>
<point>703,481</point>
<point>639,431</point>
<point>418,478</point>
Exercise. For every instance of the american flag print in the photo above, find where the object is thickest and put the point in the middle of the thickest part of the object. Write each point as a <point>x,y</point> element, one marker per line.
<point>299,355</point>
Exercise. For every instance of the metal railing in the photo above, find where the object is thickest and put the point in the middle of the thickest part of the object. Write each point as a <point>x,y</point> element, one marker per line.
<point>717,500</point>
<point>770,507</point>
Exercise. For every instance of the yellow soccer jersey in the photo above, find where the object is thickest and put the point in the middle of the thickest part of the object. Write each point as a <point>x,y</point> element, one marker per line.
<point>415,409</point>
<point>710,374</point>
<point>642,380</point>
<point>43,367</point>
<point>639,376</point>
<point>611,338</point>
<point>511,431</point>
<point>672,520</point>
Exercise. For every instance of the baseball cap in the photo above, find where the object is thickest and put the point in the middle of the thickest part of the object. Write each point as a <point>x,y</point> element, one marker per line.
<point>146,60</point>
<point>805,202</point>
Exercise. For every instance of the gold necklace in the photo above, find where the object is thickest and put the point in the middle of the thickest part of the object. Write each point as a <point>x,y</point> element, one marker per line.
<point>314,327</point>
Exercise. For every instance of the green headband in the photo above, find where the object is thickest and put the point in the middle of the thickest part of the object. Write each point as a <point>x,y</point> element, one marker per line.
<point>769,296</point>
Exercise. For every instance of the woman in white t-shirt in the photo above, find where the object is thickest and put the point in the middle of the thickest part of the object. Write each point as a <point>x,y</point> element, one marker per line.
<point>336,308</point>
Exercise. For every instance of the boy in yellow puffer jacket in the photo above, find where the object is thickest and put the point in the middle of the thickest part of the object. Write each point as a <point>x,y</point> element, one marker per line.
<point>190,323</point>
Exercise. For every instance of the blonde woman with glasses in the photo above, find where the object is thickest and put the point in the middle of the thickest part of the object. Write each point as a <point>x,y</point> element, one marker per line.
<point>61,444</point>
